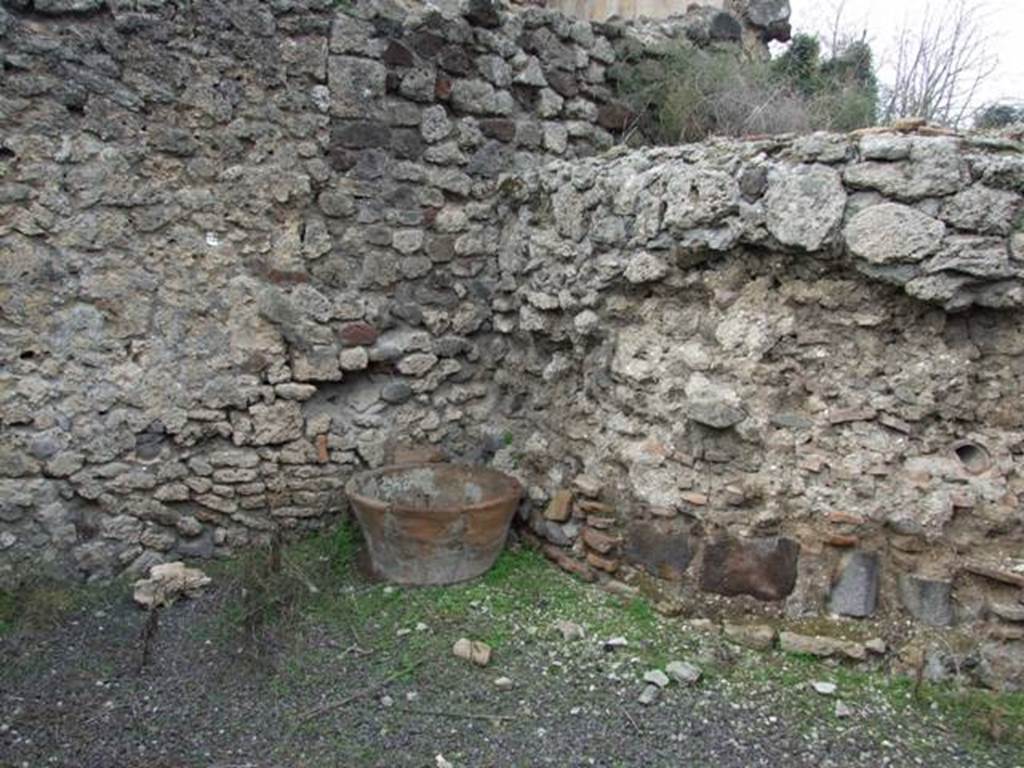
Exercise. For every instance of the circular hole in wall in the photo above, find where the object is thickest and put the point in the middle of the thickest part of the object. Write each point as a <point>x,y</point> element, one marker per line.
<point>974,457</point>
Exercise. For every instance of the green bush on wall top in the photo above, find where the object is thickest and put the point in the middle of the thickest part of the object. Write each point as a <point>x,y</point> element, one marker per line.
<point>689,93</point>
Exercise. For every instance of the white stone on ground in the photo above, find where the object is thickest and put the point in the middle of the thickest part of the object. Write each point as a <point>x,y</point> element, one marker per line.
<point>569,630</point>
<point>472,650</point>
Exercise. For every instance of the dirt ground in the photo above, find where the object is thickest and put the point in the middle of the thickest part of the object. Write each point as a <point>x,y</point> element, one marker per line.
<point>311,666</point>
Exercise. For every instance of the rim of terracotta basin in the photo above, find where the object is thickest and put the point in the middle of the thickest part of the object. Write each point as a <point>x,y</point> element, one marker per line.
<point>513,488</point>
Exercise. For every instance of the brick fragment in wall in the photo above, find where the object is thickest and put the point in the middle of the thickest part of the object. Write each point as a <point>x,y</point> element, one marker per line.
<point>559,508</point>
<point>764,568</point>
<point>568,563</point>
<point>602,563</point>
<point>600,541</point>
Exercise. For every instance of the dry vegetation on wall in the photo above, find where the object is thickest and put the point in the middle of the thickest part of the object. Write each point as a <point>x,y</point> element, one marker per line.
<point>688,93</point>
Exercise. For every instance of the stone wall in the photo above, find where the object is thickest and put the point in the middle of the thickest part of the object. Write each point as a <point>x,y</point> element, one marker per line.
<point>763,20</point>
<point>786,369</point>
<point>246,248</point>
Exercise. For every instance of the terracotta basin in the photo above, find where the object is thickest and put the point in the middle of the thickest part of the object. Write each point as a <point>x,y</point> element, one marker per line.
<point>433,523</point>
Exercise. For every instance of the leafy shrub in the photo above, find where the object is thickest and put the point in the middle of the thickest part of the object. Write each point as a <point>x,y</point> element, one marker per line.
<point>689,93</point>
<point>999,115</point>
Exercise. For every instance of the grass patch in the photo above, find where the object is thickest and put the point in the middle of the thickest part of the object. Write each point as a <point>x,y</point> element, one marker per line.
<point>43,603</point>
<point>980,717</point>
<point>8,612</point>
<point>984,715</point>
<point>315,592</point>
<point>267,591</point>
<point>269,598</point>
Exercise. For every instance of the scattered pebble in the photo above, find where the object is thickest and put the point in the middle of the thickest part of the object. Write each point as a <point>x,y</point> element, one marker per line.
<point>615,642</point>
<point>421,627</point>
<point>387,701</point>
<point>504,683</point>
<point>760,637</point>
<point>701,625</point>
<point>442,763</point>
<point>683,672</point>
<point>472,650</point>
<point>656,677</point>
<point>570,630</point>
<point>843,710</point>
<point>825,689</point>
<point>876,645</point>
<point>649,695</point>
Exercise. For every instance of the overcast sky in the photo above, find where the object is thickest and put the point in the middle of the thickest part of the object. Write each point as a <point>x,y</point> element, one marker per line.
<point>1003,21</point>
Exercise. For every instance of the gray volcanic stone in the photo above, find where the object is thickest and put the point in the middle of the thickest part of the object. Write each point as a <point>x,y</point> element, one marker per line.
<point>350,35</point>
<point>396,392</point>
<point>760,637</point>
<point>983,209</point>
<point>355,83</point>
<point>419,84</point>
<point>482,13</point>
<point>885,146</point>
<point>683,672</point>
<point>765,13</point>
<point>435,124</point>
<point>417,364</point>
<point>475,97</point>
<point>276,423</point>
<point>725,26</point>
<point>712,403</point>
<point>855,591</point>
<point>695,197</point>
<point>645,268</point>
<point>201,546</point>
<point>933,169</point>
<point>986,257</point>
<point>715,413</point>
<point>57,7</point>
<point>804,205</point>
<point>892,232</point>
<point>927,600</point>
<point>753,182</point>
<point>1002,665</point>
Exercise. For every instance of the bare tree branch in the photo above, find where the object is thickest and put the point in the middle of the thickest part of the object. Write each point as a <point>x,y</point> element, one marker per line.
<point>939,65</point>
